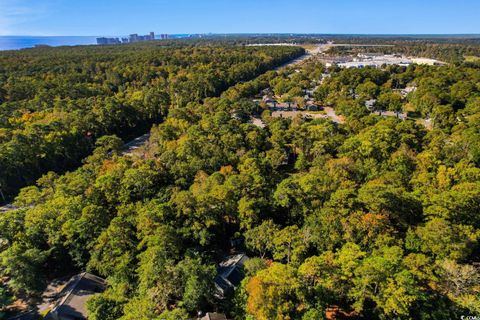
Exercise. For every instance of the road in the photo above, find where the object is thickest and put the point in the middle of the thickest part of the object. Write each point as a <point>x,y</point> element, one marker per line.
<point>330,112</point>
<point>294,62</point>
<point>132,147</point>
<point>129,149</point>
<point>319,49</point>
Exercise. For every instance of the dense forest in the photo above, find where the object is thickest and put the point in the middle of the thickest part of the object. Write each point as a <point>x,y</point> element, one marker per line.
<point>55,102</point>
<point>376,218</point>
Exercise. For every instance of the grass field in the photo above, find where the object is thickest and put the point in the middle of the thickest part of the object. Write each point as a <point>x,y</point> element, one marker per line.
<point>472,59</point>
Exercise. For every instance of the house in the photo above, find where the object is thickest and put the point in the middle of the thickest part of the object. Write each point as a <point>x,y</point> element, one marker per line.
<point>312,107</point>
<point>229,274</point>
<point>270,102</point>
<point>309,92</point>
<point>240,115</point>
<point>71,301</point>
<point>8,207</point>
<point>267,91</point>
<point>268,99</point>
<point>370,104</point>
<point>214,316</point>
<point>407,90</point>
<point>286,106</point>
<point>325,76</point>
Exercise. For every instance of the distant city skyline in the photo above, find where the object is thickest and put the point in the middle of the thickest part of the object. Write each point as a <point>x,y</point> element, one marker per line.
<point>115,18</point>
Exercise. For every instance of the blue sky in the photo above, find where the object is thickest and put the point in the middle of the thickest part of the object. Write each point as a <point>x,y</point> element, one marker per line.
<point>109,17</point>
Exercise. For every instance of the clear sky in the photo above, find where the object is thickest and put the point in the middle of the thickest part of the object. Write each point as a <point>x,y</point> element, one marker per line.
<point>120,17</point>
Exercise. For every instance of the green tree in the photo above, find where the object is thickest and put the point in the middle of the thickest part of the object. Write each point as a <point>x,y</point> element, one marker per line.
<point>290,243</point>
<point>391,101</point>
<point>24,266</point>
<point>103,307</point>
<point>271,293</point>
<point>197,282</point>
<point>445,240</point>
<point>261,238</point>
<point>176,314</point>
<point>254,265</point>
<point>368,90</point>
<point>5,300</point>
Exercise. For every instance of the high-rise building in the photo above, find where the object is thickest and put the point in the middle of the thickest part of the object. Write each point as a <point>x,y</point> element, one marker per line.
<point>133,38</point>
<point>108,41</point>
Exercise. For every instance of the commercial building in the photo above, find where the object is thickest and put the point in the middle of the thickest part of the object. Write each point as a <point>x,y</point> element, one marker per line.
<point>426,61</point>
<point>375,61</point>
<point>378,61</point>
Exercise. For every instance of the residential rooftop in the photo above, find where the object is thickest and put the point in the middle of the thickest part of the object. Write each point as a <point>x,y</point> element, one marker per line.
<point>71,303</point>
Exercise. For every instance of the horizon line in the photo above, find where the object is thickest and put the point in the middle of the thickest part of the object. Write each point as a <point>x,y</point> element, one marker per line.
<point>260,33</point>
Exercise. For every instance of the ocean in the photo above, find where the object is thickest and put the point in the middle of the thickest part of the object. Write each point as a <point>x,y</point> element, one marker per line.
<point>21,42</point>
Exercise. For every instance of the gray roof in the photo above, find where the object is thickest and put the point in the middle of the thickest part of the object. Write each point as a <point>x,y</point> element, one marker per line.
<point>230,273</point>
<point>72,299</point>
<point>8,207</point>
<point>214,316</point>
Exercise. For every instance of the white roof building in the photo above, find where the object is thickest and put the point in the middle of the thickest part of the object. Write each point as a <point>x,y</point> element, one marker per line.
<point>427,61</point>
<point>377,62</point>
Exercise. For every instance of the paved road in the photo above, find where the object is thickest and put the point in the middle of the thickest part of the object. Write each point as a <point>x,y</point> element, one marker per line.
<point>319,49</point>
<point>132,147</point>
<point>293,62</point>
